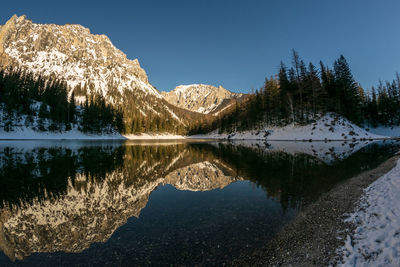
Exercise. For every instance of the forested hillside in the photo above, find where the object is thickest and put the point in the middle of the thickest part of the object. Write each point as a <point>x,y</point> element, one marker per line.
<point>90,65</point>
<point>297,94</point>
<point>42,103</point>
<point>302,93</point>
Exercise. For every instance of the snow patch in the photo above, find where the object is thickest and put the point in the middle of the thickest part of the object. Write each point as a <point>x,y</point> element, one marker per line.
<point>164,136</point>
<point>376,240</point>
<point>27,133</point>
<point>330,127</point>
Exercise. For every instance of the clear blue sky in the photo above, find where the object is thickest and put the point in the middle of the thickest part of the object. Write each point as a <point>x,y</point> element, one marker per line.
<point>231,43</point>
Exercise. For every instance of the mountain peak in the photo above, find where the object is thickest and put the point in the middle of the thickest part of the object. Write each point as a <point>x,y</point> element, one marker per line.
<point>89,64</point>
<point>15,19</point>
<point>69,51</point>
<point>198,87</point>
<point>201,98</point>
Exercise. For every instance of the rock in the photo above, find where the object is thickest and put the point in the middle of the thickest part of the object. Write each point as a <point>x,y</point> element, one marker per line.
<point>22,42</point>
<point>199,98</point>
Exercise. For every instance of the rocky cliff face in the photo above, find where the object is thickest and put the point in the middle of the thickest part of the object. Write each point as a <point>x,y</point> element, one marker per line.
<point>89,63</point>
<point>70,52</point>
<point>199,98</point>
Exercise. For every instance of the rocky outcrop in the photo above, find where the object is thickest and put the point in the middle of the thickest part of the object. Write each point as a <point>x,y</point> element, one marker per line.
<point>5,34</point>
<point>199,98</point>
<point>71,52</point>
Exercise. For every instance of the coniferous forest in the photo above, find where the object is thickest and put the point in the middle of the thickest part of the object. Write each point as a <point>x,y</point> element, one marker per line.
<point>299,93</point>
<point>25,98</point>
<point>303,92</point>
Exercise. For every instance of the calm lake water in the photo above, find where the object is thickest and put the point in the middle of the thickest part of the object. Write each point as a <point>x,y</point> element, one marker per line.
<point>145,203</point>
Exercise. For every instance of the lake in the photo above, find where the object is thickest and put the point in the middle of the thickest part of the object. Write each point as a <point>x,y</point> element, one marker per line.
<point>161,203</point>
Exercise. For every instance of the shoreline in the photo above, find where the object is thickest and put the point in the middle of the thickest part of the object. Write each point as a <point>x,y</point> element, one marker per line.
<point>94,137</point>
<point>315,234</point>
<point>166,138</point>
<point>329,127</point>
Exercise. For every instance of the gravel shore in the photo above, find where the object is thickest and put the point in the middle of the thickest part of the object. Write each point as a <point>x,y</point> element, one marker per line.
<point>312,238</point>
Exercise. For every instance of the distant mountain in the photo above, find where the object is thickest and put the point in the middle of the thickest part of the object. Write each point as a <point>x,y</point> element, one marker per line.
<point>90,64</point>
<point>200,98</point>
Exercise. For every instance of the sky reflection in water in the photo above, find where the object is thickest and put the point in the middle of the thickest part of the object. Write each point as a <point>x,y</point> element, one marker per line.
<point>156,203</point>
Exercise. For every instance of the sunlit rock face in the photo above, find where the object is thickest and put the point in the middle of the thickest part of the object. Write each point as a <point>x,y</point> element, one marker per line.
<point>90,209</point>
<point>199,98</point>
<point>69,51</point>
<point>89,63</point>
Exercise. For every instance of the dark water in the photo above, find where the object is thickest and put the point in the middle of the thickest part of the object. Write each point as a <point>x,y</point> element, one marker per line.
<point>171,203</point>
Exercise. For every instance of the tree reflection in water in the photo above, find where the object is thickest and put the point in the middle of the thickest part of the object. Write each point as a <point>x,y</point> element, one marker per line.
<point>67,197</point>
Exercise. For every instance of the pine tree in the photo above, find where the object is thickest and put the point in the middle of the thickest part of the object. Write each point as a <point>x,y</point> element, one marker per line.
<point>71,108</point>
<point>287,105</point>
<point>318,95</point>
<point>346,88</point>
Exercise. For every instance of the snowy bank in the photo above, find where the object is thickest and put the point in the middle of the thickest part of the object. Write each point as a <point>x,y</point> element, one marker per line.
<point>27,133</point>
<point>393,131</point>
<point>376,239</point>
<point>330,127</point>
<point>162,136</point>
<point>24,127</point>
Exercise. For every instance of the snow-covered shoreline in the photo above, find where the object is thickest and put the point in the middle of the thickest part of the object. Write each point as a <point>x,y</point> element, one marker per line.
<point>376,239</point>
<point>27,133</point>
<point>328,128</point>
<point>74,134</point>
<point>164,136</point>
<point>392,131</point>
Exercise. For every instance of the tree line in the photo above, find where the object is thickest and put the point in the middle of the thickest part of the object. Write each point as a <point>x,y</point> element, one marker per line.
<point>24,95</point>
<point>142,113</point>
<point>382,104</point>
<point>302,93</point>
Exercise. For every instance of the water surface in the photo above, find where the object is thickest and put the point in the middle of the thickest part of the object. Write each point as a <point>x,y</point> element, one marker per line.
<point>172,202</point>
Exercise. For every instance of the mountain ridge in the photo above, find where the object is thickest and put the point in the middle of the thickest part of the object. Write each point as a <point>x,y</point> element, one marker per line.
<point>200,98</point>
<point>90,65</point>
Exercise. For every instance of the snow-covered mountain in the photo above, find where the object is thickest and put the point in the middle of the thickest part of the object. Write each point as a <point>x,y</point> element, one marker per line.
<point>200,98</point>
<point>89,63</point>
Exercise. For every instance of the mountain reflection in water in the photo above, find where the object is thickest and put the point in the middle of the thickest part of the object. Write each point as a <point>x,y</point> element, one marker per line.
<point>64,197</point>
